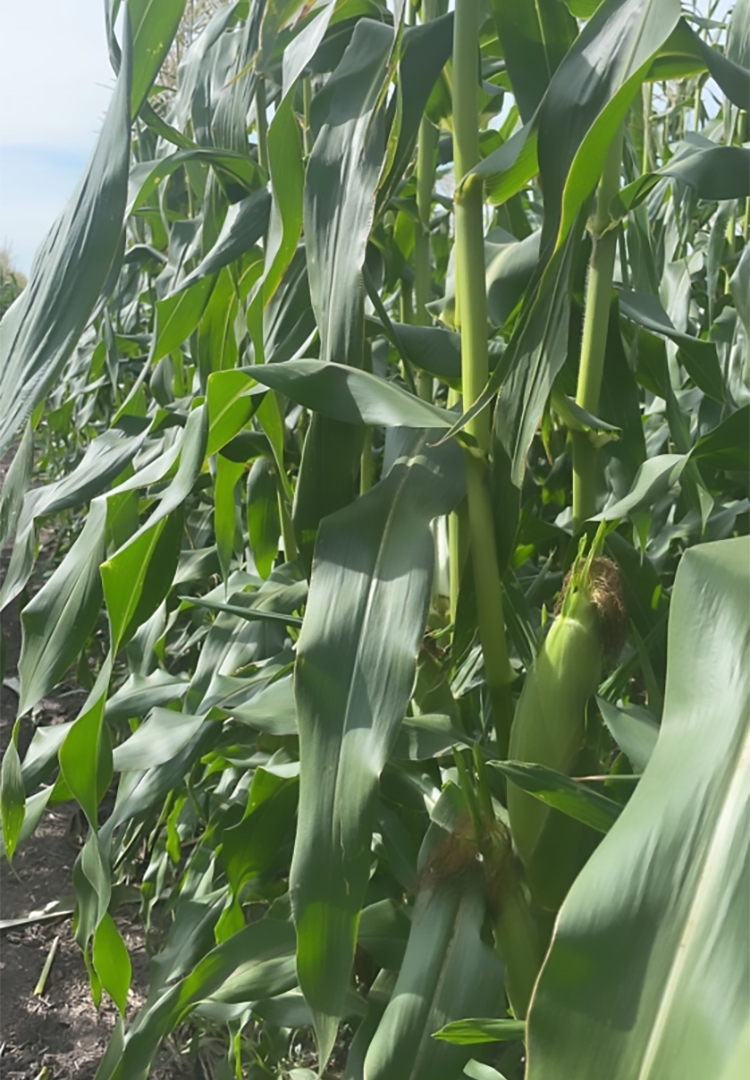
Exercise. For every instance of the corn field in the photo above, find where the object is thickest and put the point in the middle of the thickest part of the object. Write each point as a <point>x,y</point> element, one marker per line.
<point>386,386</point>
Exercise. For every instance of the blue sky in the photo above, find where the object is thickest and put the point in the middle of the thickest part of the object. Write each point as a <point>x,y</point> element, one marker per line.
<point>55,84</point>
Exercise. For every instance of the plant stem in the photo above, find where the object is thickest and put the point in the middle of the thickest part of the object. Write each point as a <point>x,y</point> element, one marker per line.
<point>471,308</point>
<point>261,121</point>
<point>594,343</point>
<point>426,158</point>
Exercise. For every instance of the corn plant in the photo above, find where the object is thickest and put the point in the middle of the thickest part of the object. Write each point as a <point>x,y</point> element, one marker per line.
<point>391,368</point>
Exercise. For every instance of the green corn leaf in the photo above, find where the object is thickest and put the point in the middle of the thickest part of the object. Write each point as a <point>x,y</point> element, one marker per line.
<point>225,523</point>
<point>257,962</point>
<point>59,619</point>
<point>146,176</point>
<point>12,796</point>
<point>154,28</point>
<point>178,315</point>
<point>263,525</point>
<point>448,971</point>
<point>287,179</point>
<point>535,38</point>
<point>587,99</point>
<point>112,962</point>
<point>554,789</point>
<point>104,459</point>
<point>160,738</point>
<point>471,1032</point>
<point>233,397</point>
<point>86,754</point>
<point>634,730</point>
<point>679,852</point>
<point>246,223</point>
<point>352,683</point>
<point>698,356</point>
<point>350,395</point>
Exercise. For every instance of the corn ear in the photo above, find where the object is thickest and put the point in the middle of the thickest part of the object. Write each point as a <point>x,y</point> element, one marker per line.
<point>549,724</point>
<point>448,971</point>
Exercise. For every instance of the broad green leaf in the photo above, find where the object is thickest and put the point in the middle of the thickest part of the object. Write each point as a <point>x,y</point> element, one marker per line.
<point>340,190</point>
<point>287,184</point>
<point>225,516</point>
<point>154,27</point>
<point>139,694</point>
<point>272,709</point>
<point>34,811</point>
<point>471,1032</point>
<point>534,356</point>
<point>340,186</point>
<point>69,271</point>
<point>655,478</point>
<point>263,526</point>
<point>587,99</point>
<point>58,620</point>
<point>298,54</point>
<point>146,176</point>
<point>112,962</point>
<point>138,576</point>
<point>383,933</point>
<point>728,445</point>
<point>714,172</point>
<point>104,459</point>
<point>246,223</point>
<point>178,315</point>
<point>160,738</point>
<point>93,889</point>
<point>352,684</point>
<point>350,395</point>
<point>698,356</point>
<point>634,730</point>
<point>12,796</point>
<point>571,797</point>
<point>448,971</point>
<point>535,38</point>
<point>252,846</point>
<point>686,53</point>
<point>425,50</point>
<point>248,612</point>
<point>233,397</point>
<point>658,917</point>
<point>86,754</point>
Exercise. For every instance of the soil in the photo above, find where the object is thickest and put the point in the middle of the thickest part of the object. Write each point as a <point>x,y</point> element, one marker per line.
<point>60,1029</point>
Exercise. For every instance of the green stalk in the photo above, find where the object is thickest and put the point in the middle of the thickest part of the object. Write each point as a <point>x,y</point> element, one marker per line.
<point>261,120</point>
<point>596,322</point>
<point>306,106</point>
<point>471,310</point>
<point>426,159</point>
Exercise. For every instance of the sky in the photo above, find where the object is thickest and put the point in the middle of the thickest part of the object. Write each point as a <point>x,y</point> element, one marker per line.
<point>55,85</point>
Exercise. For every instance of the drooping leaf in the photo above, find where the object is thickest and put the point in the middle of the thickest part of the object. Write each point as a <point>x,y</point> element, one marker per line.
<point>373,568</point>
<point>58,620</point>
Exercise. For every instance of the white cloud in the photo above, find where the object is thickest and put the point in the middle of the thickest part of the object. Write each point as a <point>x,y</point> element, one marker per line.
<point>55,85</point>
